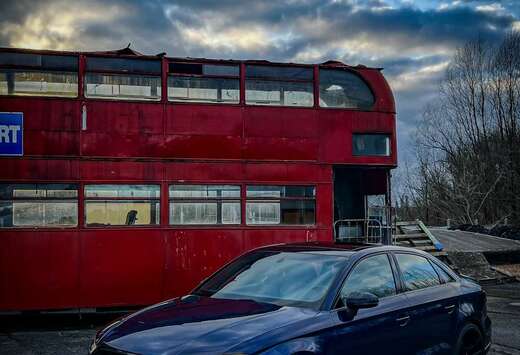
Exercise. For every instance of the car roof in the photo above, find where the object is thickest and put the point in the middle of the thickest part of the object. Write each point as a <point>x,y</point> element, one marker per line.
<point>332,248</point>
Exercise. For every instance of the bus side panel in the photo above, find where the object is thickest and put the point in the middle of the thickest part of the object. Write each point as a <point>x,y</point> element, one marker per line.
<point>194,254</point>
<point>280,133</point>
<point>122,129</point>
<point>19,169</point>
<point>337,128</point>
<point>203,172</point>
<point>324,208</point>
<point>121,267</point>
<point>39,270</point>
<point>118,172</point>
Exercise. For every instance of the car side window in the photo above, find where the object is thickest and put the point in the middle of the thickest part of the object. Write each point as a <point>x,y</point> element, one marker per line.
<point>374,275</point>
<point>417,272</point>
<point>445,277</point>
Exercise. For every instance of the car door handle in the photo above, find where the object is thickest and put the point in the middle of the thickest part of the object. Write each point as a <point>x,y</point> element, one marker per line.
<point>450,308</point>
<point>403,321</point>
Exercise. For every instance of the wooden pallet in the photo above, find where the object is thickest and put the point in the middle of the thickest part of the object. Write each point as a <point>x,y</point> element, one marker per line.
<point>415,234</point>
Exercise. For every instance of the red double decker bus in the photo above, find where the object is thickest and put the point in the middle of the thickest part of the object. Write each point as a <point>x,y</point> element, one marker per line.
<point>137,176</point>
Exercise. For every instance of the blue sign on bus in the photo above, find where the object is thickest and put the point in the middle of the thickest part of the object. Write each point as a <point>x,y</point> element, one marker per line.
<point>11,133</point>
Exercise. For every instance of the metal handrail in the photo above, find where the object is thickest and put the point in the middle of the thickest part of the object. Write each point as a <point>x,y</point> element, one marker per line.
<point>367,223</point>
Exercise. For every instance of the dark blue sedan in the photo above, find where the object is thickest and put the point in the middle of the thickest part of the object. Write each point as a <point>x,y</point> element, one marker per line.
<point>317,298</point>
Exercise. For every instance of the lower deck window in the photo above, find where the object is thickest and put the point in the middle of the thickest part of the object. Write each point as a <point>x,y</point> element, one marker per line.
<point>122,205</point>
<point>38,205</point>
<point>205,204</point>
<point>274,205</point>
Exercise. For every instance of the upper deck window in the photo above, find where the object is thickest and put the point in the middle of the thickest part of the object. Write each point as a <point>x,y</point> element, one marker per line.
<point>342,88</point>
<point>123,78</point>
<point>38,74</point>
<point>194,82</point>
<point>279,86</point>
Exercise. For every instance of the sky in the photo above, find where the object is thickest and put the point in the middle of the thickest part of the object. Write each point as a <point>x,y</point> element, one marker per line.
<point>412,40</point>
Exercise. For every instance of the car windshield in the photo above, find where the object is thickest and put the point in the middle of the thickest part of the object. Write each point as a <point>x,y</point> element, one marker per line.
<point>283,278</point>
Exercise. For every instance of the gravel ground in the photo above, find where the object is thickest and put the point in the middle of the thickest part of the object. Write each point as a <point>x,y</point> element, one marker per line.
<point>63,335</point>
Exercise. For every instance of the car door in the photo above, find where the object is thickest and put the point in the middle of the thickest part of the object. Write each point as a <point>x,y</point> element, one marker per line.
<point>378,330</point>
<point>433,304</point>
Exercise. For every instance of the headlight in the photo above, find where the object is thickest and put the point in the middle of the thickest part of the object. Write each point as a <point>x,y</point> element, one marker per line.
<point>93,347</point>
<point>102,332</point>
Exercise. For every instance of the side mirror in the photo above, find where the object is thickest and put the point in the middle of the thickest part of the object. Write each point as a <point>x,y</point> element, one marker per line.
<point>358,300</point>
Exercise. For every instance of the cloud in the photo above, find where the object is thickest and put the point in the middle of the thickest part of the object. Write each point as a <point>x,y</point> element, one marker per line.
<point>412,40</point>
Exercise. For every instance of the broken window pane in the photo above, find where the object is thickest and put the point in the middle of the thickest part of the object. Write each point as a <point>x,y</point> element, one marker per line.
<point>124,65</point>
<point>42,61</point>
<point>279,72</point>
<point>342,88</point>
<point>221,70</point>
<point>119,86</point>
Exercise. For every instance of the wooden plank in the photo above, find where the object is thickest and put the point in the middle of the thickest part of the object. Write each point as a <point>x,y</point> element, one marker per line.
<point>411,236</point>
<point>436,243</point>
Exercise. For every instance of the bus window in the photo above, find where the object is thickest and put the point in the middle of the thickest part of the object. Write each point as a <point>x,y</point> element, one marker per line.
<point>205,204</point>
<point>38,205</point>
<point>122,205</point>
<point>193,82</point>
<point>371,144</point>
<point>342,88</point>
<point>38,74</point>
<point>123,79</point>
<point>273,205</point>
<point>279,86</point>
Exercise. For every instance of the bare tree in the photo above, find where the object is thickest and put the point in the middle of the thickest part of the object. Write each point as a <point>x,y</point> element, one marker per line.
<point>468,146</point>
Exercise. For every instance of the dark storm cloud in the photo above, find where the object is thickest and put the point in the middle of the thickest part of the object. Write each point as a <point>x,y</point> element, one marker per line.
<point>412,43</point>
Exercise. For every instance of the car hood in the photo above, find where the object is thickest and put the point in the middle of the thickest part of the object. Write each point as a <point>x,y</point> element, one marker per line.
<point>201,325</point>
